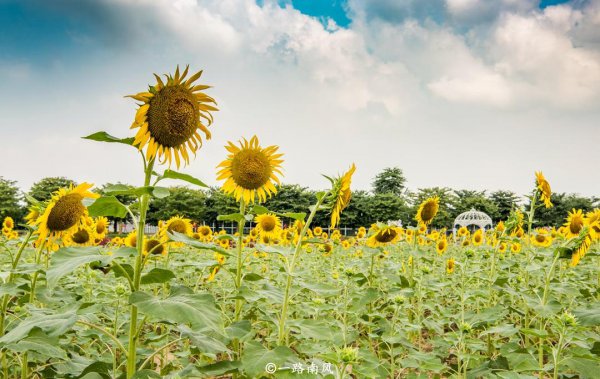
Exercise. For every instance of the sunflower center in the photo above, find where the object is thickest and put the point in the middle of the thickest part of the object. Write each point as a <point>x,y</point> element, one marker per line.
<point>428,211</point>
<point>154,246</point>
<point>81,236</point>
<point>540,238</point>
<point>251,169</point>
<point>100,228</point>
<point>66,212</point>
<point>576,225</point>
<point>177,226</point>
<point>173,116</point>
<point>386,236</point>
<point>268,223</point>
<point>204,231</point>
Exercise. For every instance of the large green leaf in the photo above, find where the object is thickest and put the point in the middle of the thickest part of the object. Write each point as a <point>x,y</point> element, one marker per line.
<point>105,137</point>
<point>198,310</point>
<point>40,343</point>
<point>588,316</point>
<point>107,206</point>
<point>67,259</point>
<point>53,325</point>
<point>255,358</point>
<point>157,275</point>
<point>179,237</point>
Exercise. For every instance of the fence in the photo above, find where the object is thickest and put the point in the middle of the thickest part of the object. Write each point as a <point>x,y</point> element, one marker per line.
<point>230,228</point>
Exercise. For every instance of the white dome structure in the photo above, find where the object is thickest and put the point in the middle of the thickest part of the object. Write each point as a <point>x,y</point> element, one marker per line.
<point>472,217</point>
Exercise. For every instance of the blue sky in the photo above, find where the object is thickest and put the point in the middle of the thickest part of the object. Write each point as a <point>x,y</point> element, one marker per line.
<point>452,91</point>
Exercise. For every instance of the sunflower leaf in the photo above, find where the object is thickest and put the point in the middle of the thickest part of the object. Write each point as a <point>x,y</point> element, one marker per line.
<point>237,217</point>
<point>296,216</point>
<point>105,137</point>
<point>107,206</point>
<point>259,209</point>
<point>170,174</point>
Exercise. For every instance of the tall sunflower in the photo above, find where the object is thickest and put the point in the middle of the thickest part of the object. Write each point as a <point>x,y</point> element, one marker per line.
<point>384,235</point>
<point>427,210</point>
<point>170,116</point>
<point>544,187</point>
<point>64,213</point>
<point>341,195</point>
<point>250,171</point>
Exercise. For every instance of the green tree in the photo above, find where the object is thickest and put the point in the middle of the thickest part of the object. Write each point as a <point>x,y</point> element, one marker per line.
<point>218,203</point>
<point>10,198</point>
<point>383,207</point>
<point>43,189</point>
<point>505,201</point>
<point>390,180</point>
<point>290,198</point>
<point>182,201</point>
<point>562,204</point>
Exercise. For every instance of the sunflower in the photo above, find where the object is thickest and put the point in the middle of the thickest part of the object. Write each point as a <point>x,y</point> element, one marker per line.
<point>131,239</point>
<point>32,216</point>
<point>441,245</point>
<point>541,238</point>
<point>515,247</point>
<point>477,237</point>
<point>385,235</point>
<point>177,224</point>
<point>8,223</point>
<point>500,227</point>
<point>575,222</point>
<point>317,231</point>
<point>205,233</point>
<point>101,226</point>
<point>502,247</point>
<point>250,171</point>
<point>450,264</point>
<point>544,187</point>
<point>327,249</point>
<point>427,210</point>
<point>84,236</point>
<point>224,243</point>
<point>154,246</point>
<point>341,195</point>
<point>422,229</point>
<point>268,224</point>
<point>170,116</point>
<point>345,244</point>
<point>582,245</point>
<point>593,219</point>
<point>64,213</point>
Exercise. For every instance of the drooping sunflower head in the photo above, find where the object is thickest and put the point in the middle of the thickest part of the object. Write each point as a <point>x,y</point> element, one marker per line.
<point>593,219</point>
<point>131,239</point>
<point>64,213</point>
<point>178,224</point>
<point>154,246</point>
<point>170,116</point>
<point>268,224</point>
<point>450,264</point>
<point>385,235</point>
<point>101,224</point>
<point>250,171</point>
<point>544,189</point>
<point>427,210</point>
<point>340,195</point>
<point>575,222</point>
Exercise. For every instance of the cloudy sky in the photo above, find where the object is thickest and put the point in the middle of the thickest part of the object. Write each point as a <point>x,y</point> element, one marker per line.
<point>473,94</point>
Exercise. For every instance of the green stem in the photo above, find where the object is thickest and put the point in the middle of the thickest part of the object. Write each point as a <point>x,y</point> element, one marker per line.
<point>137,273</point>
<point>290,271</point>
<point>147,360</point>
<point>239,303</point>
<point>24,366</point>
<point>38,254</point>
<point>106,333</point>
<point>541,325</point>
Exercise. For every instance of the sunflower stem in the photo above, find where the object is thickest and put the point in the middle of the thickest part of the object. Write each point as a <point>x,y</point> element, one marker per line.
<point>133,333</point>
<point>290,270</point>
<point>238,274</point>
<point>38,254</point>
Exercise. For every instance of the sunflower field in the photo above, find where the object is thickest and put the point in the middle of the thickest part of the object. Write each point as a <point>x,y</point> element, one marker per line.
<point>295,300</point>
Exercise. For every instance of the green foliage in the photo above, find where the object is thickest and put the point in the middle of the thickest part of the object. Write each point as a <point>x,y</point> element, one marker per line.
<point>390,181</point>
<point>444,217</point>
<point>505,201</point>
<point>466,200</point>
<point>182,201</point>
<point>10,198</point>
<point>218,203</point>
<point>562,204</point>
<point>43,189</point>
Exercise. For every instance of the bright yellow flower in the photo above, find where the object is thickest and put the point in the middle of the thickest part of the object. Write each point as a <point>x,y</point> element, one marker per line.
<point>170,116</point>
<point>544,188</point>
<point>341,195</point>
<point>427,210</point>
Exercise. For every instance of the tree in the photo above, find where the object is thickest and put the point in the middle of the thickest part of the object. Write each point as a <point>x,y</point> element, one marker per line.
<point>562,204</point>
<point>390,180</point>
<point>505,201</point>
<point>182,201</point>
<point>383,207</point>
<point>10,198</point>
<point>290,198</point>
<point>218,203</point>
<point>43,189</point>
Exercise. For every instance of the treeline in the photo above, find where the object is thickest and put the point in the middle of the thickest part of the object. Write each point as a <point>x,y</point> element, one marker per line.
<point>389,199</point>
